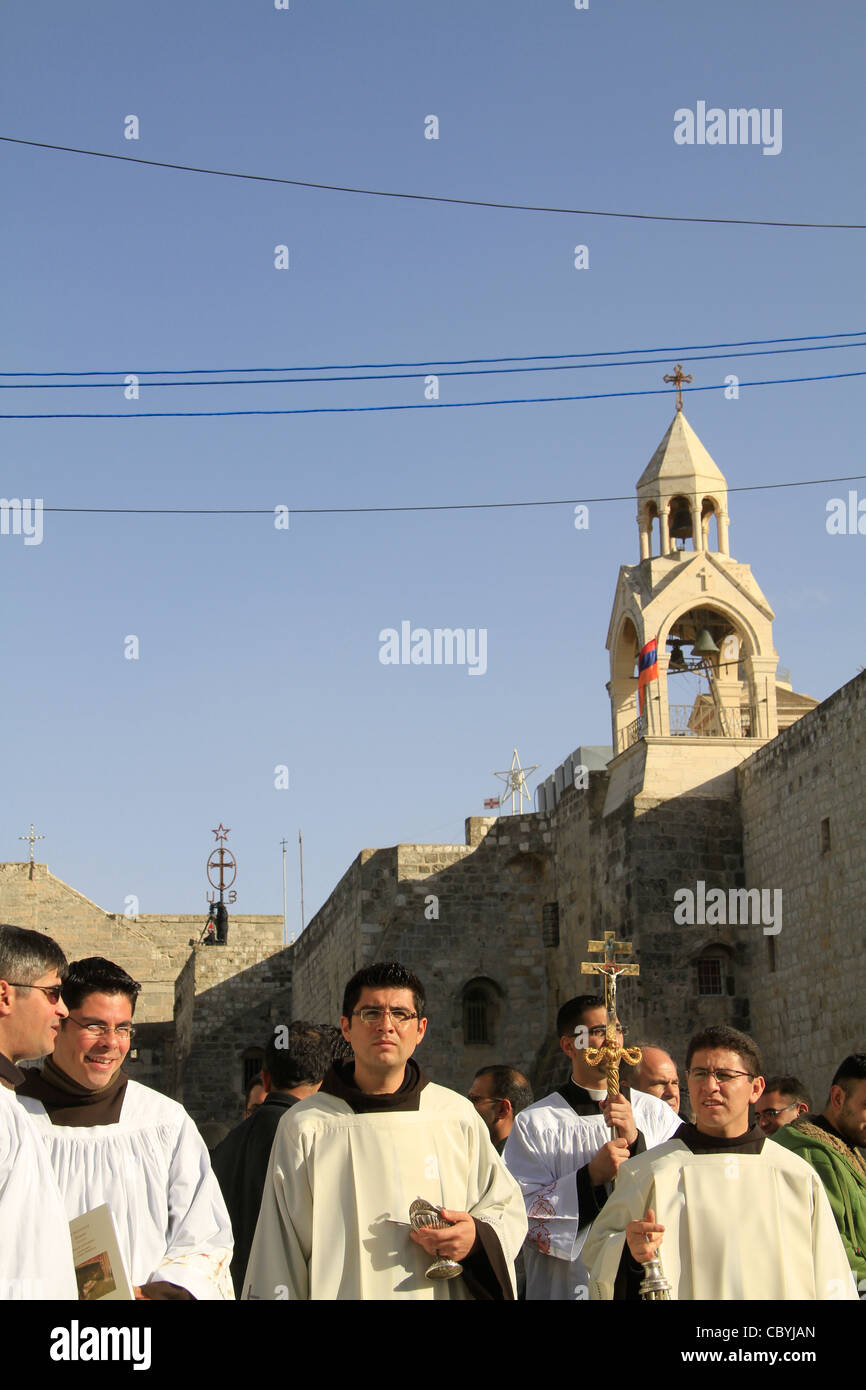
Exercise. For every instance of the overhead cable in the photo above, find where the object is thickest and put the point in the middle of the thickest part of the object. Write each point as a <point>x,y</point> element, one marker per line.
<point>433,197</point>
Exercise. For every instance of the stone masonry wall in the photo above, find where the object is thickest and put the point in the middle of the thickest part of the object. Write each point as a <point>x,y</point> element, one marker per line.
<point>807,993</point>
<point>242,993</point>
<point>453,914</point>
<point>172,1021</point>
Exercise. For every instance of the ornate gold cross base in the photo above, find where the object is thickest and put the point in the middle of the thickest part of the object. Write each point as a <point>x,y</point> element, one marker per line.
<point>610,1053</point>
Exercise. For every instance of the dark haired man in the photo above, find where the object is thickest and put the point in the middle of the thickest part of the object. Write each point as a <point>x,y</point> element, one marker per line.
<point>35,1252</point>
<point>561,1153</point>
<point>255,1094</point>
<point>731,1215</point>
<point>296,1060</point>
<point>347,1163</point>
<point>112,1140</point>
<point>498,1094</point>
<point>829,1142</point>
<point>784,1100</point>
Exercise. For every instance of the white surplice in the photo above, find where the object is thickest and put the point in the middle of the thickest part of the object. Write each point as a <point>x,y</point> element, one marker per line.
<point>153,1170</point>
<point>334,1220</point>
<point>547,1146</point>
<point>737,1226</point>
<point>35,1251</point>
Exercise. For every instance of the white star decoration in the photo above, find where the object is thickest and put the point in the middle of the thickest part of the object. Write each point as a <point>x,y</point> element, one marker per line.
<point>515,782</point>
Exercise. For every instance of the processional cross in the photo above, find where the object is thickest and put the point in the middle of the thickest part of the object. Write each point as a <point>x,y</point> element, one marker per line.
<point>610,1052</point>
<point>654,1286</point>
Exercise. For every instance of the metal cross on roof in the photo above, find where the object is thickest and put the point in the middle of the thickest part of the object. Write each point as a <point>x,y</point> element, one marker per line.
<point>677,377</point>
<point>32,837</point>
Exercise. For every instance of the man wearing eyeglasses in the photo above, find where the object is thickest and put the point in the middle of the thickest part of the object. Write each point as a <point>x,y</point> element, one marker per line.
<point>35,1251</point>
<point>731,1215</point>
<point>784,1100</point>
<point>561,1152</point>
<point>499,1093</point>
<point>831,1143</point>
<point>347,1163</point>
<point>111,1140</point>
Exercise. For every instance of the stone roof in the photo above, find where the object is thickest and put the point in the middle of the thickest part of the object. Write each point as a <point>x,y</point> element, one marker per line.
<point>680,457</point>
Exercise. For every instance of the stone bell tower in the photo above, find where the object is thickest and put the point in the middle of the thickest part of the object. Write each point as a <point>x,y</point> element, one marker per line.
<point>685,592</point>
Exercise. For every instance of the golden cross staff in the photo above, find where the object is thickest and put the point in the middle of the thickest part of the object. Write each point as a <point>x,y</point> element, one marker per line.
<point>610,1051</point>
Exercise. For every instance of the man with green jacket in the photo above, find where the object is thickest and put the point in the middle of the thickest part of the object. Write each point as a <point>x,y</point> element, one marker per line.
<point>830,1142</point>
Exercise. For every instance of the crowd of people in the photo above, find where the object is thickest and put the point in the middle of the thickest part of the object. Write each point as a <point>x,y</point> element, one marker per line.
<point>354,1176</point>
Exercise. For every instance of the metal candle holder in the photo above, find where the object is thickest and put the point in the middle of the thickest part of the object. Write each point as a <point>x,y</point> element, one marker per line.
<point>654,1286</point>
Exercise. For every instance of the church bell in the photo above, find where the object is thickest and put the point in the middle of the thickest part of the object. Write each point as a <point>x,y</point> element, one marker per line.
<point>681,523</point>
<point>704,645</point>
<point>677,661</point>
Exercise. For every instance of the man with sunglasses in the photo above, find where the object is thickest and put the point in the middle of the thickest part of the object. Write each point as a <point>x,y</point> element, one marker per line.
<point>731,1215</point>
<point>347,1163</point>
<point>111,1140</point>
<point>35,1251</point>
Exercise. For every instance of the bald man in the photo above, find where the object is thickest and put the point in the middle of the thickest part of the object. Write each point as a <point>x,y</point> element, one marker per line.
<point>656,1074</point>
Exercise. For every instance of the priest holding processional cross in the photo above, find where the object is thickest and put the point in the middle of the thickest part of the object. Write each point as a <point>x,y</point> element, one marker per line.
<point>565,1150</point>
<point>654,1287</point>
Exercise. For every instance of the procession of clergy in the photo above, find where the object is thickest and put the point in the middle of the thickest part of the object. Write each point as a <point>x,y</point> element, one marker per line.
<point>310,1197</point>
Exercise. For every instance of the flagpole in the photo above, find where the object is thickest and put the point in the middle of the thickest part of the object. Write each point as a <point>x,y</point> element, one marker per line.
<point>301,856</point>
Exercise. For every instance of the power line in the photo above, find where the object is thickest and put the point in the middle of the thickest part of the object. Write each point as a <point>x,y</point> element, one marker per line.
<point>411,405</point>
<point>417,507</point>
<point>443,362</point>
<point>433,197</point>
<point>414,376</point>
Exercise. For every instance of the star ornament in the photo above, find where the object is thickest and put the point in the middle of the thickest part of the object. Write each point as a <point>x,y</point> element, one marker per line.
<point>221,831</point>
<point>514,778</point>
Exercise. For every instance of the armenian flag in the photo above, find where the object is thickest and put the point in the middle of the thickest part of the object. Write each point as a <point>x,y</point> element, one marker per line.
<point>648,669</point>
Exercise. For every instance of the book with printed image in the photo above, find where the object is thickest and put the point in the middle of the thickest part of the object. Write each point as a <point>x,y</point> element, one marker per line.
<point>97,1258</point>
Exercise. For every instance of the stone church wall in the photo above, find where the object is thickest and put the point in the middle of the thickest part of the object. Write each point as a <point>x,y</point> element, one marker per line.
<point>455,914</point>
<point>804,831</point>
<point>619,873</point>
<point>200,1008</point>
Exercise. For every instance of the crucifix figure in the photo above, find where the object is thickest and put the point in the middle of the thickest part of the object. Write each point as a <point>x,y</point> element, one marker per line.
<point>32,837</point>
<point>654,1286</point>
<point>677,377</point>
<point>610,1052</point>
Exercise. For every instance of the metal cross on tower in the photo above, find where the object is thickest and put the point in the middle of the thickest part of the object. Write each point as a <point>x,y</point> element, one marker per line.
<point>677,377</point>
<point>32,837</point>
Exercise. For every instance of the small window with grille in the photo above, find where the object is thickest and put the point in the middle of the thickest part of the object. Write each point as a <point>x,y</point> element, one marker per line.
<point>476,1022</point>
<point>709,971</point>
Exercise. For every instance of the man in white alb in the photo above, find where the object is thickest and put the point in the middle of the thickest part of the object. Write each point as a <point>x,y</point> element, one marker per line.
<point>561,1153</point>
<point>731,1214</point>
<point>114,1141</point>
<point>35,1251</point>
<point>347,1163</point>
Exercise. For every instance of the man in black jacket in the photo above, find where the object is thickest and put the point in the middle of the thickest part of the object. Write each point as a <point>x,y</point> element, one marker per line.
<point>296,1059</point>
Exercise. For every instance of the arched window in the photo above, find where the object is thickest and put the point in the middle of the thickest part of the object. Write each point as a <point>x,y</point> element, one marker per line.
<point>481,1005</point>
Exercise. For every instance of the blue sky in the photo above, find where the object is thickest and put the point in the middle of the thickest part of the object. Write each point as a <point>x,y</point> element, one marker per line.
<point>260,648</point>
